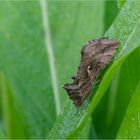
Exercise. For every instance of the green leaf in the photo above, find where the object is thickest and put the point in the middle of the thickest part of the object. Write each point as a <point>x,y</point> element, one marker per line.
<point>111,11</point>
<point>115,102</point>
<point>130,127</point>
<point>25,65</point>
<point>76,23</point>
<point>26,58</point>
<point>2,135</point>
<point>84,134</point>
<point>127,32</point>
<point>39,52</point>
<point>13,119</point>
<point>121,3</point>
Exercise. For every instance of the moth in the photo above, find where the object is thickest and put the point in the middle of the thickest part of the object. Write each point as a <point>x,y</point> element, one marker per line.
<point>95,56</point>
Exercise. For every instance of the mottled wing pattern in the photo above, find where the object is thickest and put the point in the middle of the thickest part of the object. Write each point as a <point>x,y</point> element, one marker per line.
<point>95,55</point>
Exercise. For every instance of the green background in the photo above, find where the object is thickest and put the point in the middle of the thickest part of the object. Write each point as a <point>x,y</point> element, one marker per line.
<point>33,103</point>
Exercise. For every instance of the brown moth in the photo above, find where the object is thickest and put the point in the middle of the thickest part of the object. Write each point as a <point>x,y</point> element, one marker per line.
<point>95,56</point>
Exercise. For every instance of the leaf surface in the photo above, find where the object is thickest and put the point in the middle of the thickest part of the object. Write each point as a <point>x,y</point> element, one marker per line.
<point>28,63</point>
<point>115,102</point>
<point>130,127</point>
<point>127,32</point>
<point>24,63</point>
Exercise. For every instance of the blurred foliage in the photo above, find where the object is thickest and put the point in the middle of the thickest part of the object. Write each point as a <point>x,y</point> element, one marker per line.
<point>121,3</point>
<point>131,130</point>
<point>27,101</point>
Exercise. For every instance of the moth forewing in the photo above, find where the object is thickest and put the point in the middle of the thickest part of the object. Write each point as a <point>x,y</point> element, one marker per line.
<point>95,56</point>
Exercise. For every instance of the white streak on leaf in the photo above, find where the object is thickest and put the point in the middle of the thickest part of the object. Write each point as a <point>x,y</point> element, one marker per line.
<point>48,44</point>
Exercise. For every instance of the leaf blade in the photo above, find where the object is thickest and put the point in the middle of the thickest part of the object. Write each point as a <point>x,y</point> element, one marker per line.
<point>131,129</point>
<point>24,63</point>
<point>128,38</point>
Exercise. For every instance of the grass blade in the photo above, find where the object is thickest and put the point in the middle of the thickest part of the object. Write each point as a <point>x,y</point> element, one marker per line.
<point>130,127</point>
<point>24,63</point>
<point>13,119</point>
<point>129,39</point>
